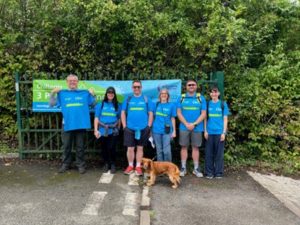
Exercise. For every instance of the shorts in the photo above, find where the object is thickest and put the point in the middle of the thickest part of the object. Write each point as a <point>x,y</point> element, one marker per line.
<point>187,138</point>
<point>130,141</point>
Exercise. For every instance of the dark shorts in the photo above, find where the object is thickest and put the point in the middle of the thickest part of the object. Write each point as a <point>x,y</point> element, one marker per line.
<point>129,137</point>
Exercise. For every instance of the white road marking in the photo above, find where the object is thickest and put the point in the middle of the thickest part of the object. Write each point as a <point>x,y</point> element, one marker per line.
<point>131,204</point>
<point>94,203</point>
<point>133,179</point>
<point>106,178</point>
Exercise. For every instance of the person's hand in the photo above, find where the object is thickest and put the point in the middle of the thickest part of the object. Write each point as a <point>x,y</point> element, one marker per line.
<point>92,92</point>
<point>97,134</point>
<point>190,126</point>
<point>56,90</point>
<point>173,134</point>
<point>206,135</point>
<point>222,137</point>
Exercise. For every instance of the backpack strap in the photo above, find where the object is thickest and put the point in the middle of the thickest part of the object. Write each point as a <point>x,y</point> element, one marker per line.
<point>182,97</point>
<point>198,95</point>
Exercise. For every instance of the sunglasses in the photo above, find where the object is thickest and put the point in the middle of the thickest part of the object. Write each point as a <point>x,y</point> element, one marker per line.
<point>191,85</point>
<point>136,87</point>
<point>110,92</point>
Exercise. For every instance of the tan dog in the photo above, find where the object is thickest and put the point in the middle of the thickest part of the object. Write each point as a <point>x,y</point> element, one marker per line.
<point>157,168</point>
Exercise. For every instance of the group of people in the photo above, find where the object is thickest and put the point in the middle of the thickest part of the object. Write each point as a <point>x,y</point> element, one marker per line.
<point>140,119</point>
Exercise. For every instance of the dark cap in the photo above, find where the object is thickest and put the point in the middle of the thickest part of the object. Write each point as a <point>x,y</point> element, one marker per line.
<point>110,89</point>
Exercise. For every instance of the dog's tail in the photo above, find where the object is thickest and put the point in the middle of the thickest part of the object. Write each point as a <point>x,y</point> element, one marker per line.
<point>177,177</point>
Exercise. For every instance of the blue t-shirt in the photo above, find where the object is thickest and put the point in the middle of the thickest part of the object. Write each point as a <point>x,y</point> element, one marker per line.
<point>107,115</point>
<point>191,109</point>
<point>215,123</point>
<point>75,108</point>
<point>137,112</point>
<point>162,115</point>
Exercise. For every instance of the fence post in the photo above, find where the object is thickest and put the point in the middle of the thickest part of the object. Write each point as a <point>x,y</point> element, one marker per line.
<point>19,120</point>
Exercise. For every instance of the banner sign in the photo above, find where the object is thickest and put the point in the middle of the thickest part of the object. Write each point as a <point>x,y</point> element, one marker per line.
<point>151,88</point>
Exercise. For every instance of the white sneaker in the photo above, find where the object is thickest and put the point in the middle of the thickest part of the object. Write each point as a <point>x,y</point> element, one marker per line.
<point>197,173</point>
<point>182,172</point>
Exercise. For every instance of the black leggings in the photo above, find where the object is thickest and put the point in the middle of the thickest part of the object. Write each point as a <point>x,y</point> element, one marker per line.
<point>108,146</point>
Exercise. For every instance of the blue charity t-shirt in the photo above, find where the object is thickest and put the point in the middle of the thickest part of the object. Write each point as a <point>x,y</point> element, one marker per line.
<point>191,109</point>
<point>74,106</point>
<point>137,112</point>
<point>107,115</point>
<point>163,113</point>
<point>215,123</point>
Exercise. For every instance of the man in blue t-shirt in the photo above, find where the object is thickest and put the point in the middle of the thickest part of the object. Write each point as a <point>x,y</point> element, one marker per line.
<point>215,133</point>
<point>74,106</point>
<point>137,118</point>
<point>191,111</point>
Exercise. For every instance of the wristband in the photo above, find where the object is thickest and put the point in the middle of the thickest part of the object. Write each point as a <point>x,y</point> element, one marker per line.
<point>195,124</point>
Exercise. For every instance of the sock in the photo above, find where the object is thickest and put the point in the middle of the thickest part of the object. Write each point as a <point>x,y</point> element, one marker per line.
<point>196,165</point>
<point>183,164</point>
<point>131,164</point>
<point>138,164</point>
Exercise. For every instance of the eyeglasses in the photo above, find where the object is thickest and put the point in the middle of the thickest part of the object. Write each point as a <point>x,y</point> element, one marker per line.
<point>191,85</point>
<point>136,87</point>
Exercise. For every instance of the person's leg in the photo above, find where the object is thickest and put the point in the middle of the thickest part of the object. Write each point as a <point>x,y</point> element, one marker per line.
<point>209,164</point>
<point>196,140</point>
<point>67,148</point>
<point>129,142</point>
<point>184,142</point>
<point>112,149</point>
<point>105,142</point>
<point>159,146</point>
<point>219,157</point>
<point>80,149</point>
<point>166,138</point>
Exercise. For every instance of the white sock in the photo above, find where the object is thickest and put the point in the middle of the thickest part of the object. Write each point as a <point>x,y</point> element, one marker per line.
<point>131,164</point>
<point>138,164</point>
<point>183,164</point>
<point>196,165</point>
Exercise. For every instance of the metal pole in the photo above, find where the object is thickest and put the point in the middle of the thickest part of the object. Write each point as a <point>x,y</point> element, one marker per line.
<point>19,120</point>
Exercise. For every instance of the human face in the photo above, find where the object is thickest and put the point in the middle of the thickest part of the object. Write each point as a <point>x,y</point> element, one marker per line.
<point>191,87</point>
<point>72,82</point>
<point>110,95</point>
<point>214,94</point>
<point>137,88</point>
<point>164,96</point>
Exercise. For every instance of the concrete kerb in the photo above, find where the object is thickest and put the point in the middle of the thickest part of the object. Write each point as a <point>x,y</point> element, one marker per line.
<point>9,155</point>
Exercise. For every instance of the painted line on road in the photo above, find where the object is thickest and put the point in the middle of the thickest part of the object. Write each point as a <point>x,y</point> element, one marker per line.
<point>133,180</point>
<point>131,204</point>
<point>94,202</point>
<point>106,178</point>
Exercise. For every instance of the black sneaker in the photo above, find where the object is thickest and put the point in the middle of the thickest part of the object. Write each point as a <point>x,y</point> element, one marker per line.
<point>106,168</point>
<point>81,170</point>
<point>63,168</point>
<point>113,169</point>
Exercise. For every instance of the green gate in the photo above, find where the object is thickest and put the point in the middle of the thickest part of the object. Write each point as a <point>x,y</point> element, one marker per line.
<point>40,133</point>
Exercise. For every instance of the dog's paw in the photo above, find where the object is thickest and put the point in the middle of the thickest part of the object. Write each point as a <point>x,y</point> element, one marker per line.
<point>174,186</point>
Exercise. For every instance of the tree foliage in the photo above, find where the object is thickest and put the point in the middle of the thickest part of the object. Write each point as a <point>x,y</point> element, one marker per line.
<point>256,43</point>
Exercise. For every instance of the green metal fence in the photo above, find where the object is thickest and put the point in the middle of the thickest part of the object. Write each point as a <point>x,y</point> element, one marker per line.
<point>40,133</point>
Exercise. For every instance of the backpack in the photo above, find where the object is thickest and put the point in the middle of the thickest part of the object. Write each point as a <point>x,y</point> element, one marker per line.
<point>222,107</point>
<point>198,96</point>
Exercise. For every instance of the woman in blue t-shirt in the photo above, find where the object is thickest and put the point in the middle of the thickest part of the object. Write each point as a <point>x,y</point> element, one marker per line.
<point>164,126</point>
<point>106,127</point>
<point>215,126</point>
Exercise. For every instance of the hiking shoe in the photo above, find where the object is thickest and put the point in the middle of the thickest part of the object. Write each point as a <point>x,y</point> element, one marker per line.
<point>63,168</point>
<point>138,171</point>
<point>81,170</point>
<point>218,177</point>
<point>182,172</point>
<point>129,170</point>
<point>106,168</point>
<point>113,169</point>
<point>197,172</point>
<point>209,177</point>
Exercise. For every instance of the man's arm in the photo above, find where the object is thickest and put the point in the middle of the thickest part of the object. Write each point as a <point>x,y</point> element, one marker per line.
<point>123,119</point>
<point>150,118</point>
<point>53,97</point>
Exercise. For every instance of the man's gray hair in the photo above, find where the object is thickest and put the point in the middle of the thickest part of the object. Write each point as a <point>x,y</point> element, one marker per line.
<point>72,75</point>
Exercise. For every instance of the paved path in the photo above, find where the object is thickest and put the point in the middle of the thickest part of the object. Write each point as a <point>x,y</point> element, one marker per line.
<point>33,193</point>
